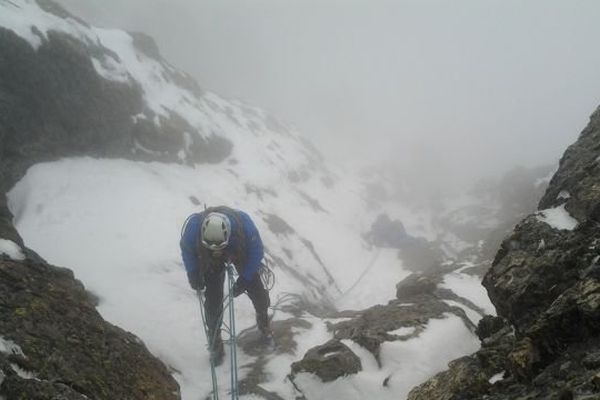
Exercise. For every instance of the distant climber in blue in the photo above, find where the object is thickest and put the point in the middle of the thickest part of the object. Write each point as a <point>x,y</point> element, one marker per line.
<point>209,240</point>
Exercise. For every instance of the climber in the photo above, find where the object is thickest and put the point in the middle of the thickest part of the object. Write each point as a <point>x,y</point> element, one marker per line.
<point>209,240</point>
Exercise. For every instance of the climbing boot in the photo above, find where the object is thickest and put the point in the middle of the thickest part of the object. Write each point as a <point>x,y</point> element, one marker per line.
<point>217,351</point>
<point>264,327</point>
<point>263,323</point>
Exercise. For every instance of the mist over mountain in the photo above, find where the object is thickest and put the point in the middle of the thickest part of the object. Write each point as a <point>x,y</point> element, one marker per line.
<point>448,91</point>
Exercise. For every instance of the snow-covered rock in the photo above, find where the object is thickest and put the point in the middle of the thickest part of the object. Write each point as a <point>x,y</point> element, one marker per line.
<point>11,249</point>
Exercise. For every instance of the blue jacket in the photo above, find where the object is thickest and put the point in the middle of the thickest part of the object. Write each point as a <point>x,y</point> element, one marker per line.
<point>253,245</point>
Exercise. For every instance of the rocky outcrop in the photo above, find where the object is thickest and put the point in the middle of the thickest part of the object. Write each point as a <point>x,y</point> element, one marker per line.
<point>53,103</point>
<point>328,361</point>
<point>472,377</point>
<point>496,205</point>
<point>419,300</point>
<point>545,281</point>
<point>54,344</point>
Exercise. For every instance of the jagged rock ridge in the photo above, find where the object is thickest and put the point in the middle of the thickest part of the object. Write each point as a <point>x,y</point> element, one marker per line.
<point>545,282</point>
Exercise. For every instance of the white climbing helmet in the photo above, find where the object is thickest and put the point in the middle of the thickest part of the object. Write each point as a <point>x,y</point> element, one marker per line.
<point>215,232</point>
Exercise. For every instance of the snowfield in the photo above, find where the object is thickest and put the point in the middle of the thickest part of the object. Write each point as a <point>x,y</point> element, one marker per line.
<point>117,224</point>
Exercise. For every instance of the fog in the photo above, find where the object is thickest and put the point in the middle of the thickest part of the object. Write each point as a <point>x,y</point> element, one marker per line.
<point>448,90</point>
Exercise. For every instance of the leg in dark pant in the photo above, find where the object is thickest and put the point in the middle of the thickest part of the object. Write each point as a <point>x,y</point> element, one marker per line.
<point>213,306</point>
<point>261,301</point>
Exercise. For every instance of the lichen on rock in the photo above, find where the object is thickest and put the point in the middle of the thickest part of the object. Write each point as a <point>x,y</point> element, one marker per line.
<point>66,349</point>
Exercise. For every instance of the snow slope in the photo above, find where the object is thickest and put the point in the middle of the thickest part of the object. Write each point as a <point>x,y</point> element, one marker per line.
<point>116,223</point>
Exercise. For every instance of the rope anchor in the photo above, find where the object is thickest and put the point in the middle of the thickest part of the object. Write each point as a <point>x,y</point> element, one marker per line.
<point>232,341</point>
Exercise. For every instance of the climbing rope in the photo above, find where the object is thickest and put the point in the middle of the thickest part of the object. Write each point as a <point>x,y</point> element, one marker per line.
<point>364,273</point>
<point>213,372</point>
<point>230,329</point>
<point>267,277</point>
<point>232,334</point>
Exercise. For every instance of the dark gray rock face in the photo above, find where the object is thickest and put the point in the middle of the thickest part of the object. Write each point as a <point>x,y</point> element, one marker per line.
<point>328,361</point>
<point>417,284</point>
<point>488,326</point>
<point>66,345</point>
<point>465,375</point>
<point>54,104</point>
<point>545,280</point>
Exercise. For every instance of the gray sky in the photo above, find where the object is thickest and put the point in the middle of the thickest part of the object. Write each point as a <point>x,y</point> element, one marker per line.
<point>445,87</point>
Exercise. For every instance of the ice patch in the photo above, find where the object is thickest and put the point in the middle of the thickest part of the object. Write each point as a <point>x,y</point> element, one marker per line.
<point>22,373</point>
<point>404,331</point>
<point>473,315</point>
<point>498,377</point>
<point>30,22</point>
<point>111,70</point>
<point>468,264</point>
<point>557,218</point>
<point>564,195</point>
<point>470,288</point>
<point>10,347</point>
<point>337,320</point>
<point>541,244</point>
<point>11,249</point>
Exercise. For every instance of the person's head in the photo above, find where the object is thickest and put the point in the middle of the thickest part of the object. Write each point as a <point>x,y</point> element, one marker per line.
<point>215,231</point>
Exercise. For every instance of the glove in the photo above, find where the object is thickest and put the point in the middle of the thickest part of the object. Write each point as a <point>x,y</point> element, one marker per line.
<point>196,281</point>
<point>239,286</point>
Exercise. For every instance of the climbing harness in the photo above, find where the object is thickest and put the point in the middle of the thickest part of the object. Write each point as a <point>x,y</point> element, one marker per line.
<point>229,329</point>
